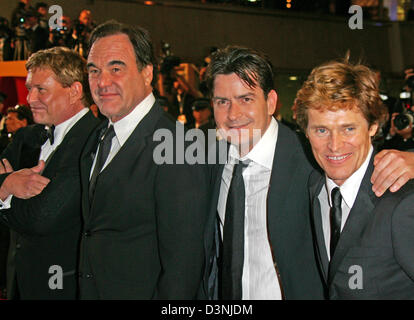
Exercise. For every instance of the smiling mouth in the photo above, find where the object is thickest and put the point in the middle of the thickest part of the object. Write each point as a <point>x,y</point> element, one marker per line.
<point>238,127</point>
<point>338,158</point>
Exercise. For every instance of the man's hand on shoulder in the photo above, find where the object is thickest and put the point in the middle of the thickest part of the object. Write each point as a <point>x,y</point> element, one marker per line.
<point>392,170</point>
<point>25,183</point>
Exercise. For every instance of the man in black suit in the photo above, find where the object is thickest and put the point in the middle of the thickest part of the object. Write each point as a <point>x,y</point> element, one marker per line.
<point>277,258</point>
<point>276,207</point>
<point>143,219</point>
<point>40,182</point>
<point>365,243</point>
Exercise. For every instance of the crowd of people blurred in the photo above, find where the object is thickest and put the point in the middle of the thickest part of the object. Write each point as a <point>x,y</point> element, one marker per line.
<point>28,31</point>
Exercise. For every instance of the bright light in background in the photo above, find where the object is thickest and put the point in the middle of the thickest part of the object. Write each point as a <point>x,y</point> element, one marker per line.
<point>288,4</point>
<point>293,78</point>
<point>149,3</point>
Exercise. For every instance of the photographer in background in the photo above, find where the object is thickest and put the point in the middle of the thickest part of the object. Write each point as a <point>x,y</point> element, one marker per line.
<point>62,37</point>
<point>400,135</point>
<point>41,9</point>
<point>82,29</point>
<point>6,52</point>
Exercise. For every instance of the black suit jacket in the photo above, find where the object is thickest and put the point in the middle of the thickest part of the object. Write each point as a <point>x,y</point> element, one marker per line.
<point>288,219</point>
<point>143,232</point>
<point>378,237</point>
<point>46,228</point>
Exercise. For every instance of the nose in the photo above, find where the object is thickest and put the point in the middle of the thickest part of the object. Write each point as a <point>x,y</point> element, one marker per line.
<point>104,79</point>
<point>335,142</point>
<point>32,96</point>
<point>234,111</point>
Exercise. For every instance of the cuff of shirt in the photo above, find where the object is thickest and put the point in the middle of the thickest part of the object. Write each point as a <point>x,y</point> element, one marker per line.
<point>6,204</point>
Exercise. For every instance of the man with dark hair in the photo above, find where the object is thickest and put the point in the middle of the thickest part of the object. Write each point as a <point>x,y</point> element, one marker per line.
<point>18,117</point>
<point>365,243</point>
<point>267,249</point>
<point>39,180</point>
<point>41,9</point>
<point>202,114</point>
<point>143,221</point>
<point>266,252</point>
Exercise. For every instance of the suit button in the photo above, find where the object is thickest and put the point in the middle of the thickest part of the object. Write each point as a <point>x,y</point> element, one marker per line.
<point>18,246</point>
<point>87,234</point>
<point>88,276</point>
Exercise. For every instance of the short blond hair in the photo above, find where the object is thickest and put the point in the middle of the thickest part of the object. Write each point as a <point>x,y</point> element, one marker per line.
<point>67,65</point>
<point>340,85</point>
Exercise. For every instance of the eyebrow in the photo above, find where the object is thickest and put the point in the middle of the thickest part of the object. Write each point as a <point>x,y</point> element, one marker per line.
<point>345,125</point>
<point>244,95</point>
<point>111,63</point>
<point>237,97</point>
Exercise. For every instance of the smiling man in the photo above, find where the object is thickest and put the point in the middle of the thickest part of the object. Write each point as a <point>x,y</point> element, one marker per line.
<point>40,183</point>
<point>365,243</point>
<point>143,222</point>
<point>259,197</point>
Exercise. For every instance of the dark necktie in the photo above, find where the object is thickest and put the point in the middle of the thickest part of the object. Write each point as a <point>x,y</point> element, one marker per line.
<point>104,148</point>
<point>233,237</point>
<point>335,219</point>
<point>51,134</point>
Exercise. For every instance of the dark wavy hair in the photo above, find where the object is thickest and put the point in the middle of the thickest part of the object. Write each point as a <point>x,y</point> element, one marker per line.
<point>139,37</point>
<point>249,65</point>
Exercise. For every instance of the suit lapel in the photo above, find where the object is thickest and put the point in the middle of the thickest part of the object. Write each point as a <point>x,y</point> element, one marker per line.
<point>315,188</point>
<point>356,222</point>
<point>282,169</point>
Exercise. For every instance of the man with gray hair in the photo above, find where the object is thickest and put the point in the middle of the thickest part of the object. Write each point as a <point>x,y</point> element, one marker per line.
<point>143,221</point>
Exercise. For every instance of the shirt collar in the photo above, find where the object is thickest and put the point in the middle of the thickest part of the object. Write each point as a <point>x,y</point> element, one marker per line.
<point>349,189</point>
<point>263,152</point>
<point>63,128</point>
<point>124,127</point>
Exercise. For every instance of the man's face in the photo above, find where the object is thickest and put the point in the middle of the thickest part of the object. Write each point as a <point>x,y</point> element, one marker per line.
<point>48,99</point>
<point>340,141</point>
<point>42,11</point>
<point>202,115</point>
<point>240,111</point>
<point>85,17</point>
<point>13,123</point>
<point>116,84</point>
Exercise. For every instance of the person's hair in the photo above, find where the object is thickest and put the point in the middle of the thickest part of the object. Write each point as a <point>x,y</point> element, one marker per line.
<point>67,65</point>
<point>138,36</point>
<point>40,5</point>
<point>340,85</point>
<point>22,112</point>
<point>251,66</point>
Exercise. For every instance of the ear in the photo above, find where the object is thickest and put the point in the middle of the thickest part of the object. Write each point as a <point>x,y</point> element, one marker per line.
<point>373,129</point>
<point>147,73</point>
<point>271,102</point>
<point>75,92</point>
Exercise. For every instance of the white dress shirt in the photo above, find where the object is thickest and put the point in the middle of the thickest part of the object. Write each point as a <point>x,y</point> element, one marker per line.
<point>259,280</point>
<point>47,149</point>
<point>124,127</point>
<point>349,191</point>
